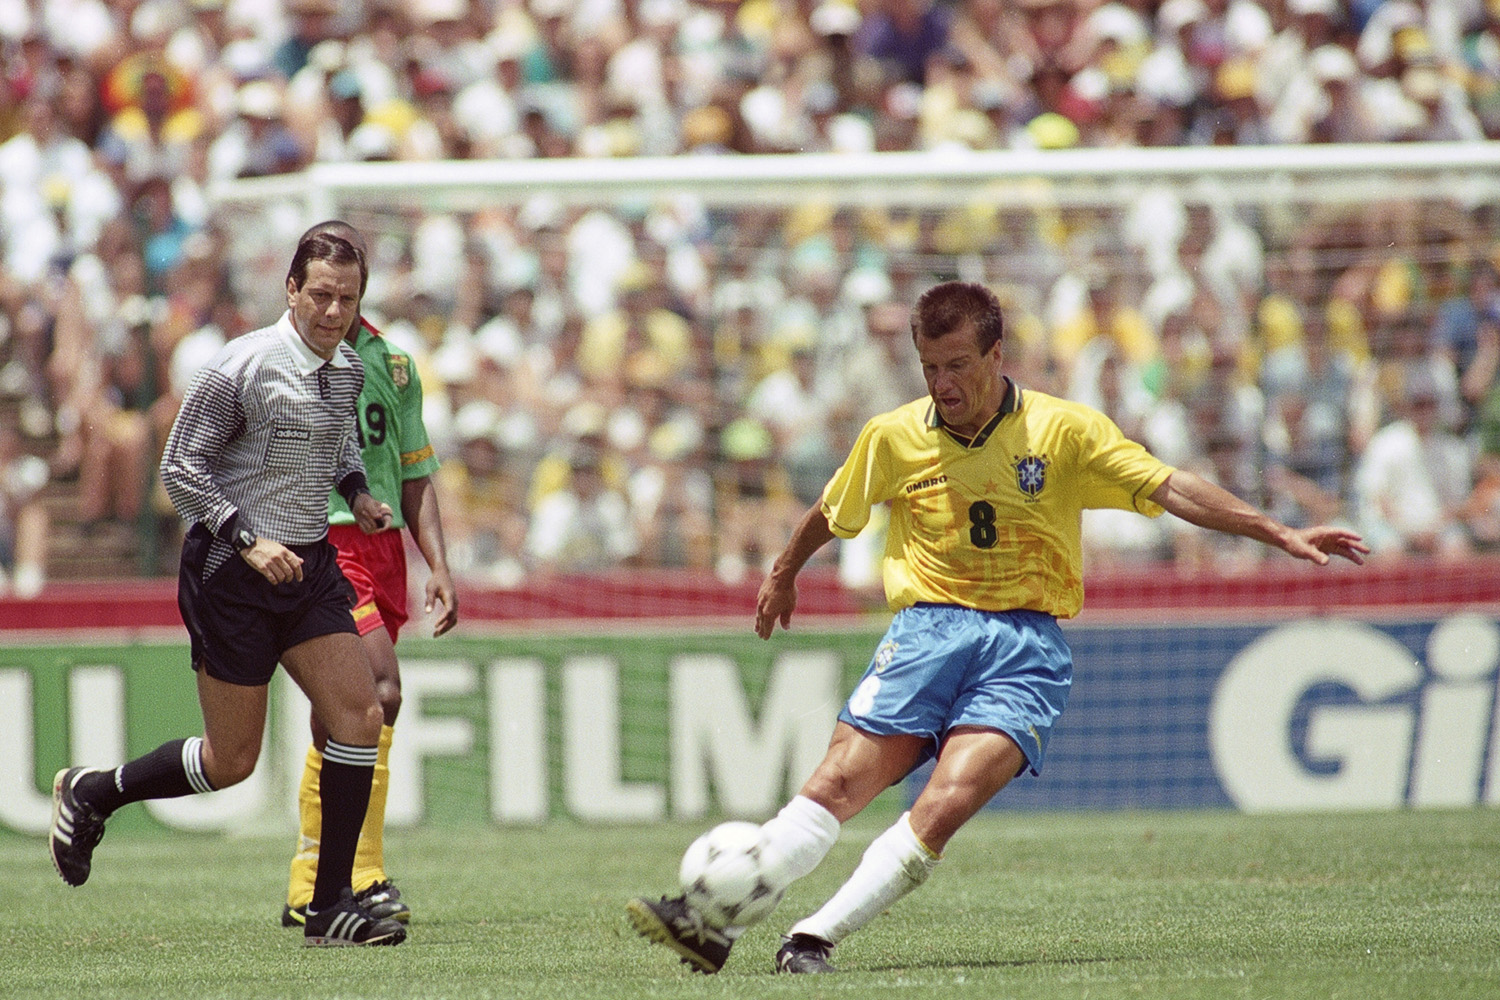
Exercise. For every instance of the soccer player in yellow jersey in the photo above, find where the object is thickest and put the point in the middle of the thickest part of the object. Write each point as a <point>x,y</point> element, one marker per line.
<point>987,483</point>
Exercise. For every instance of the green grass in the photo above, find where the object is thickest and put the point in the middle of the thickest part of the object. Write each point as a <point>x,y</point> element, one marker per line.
<point>1156,905</point>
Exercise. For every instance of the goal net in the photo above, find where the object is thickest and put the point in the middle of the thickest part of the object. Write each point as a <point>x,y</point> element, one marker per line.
<point>726,323</point>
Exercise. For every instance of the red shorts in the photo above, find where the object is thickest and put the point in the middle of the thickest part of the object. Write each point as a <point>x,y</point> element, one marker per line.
<point>376,566</point>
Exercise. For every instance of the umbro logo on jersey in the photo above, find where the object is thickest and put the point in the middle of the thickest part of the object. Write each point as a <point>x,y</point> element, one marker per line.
<point>922,484</point>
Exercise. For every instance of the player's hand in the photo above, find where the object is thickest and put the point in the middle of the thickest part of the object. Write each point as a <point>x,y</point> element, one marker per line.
<point>775,602</point>
<point>372,515</point>
<point>273,561</point>
<point>1317,544</point>
<point>440,592</point>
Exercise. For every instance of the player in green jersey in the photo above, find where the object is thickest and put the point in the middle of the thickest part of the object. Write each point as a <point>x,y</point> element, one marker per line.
<point>399,462</point>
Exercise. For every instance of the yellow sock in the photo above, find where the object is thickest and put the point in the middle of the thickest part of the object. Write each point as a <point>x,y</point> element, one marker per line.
<point>369,856</point>
<point>299,890</point>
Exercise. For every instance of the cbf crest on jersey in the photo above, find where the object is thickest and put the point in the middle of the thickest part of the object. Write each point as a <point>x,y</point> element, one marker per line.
<point>400,366</point>
<point>1031,474</point>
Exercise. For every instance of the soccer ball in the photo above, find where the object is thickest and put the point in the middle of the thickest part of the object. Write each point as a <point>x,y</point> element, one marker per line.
<point>730,876</point>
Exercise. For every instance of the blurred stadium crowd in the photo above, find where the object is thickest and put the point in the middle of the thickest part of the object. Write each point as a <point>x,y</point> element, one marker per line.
<point>669,386</point>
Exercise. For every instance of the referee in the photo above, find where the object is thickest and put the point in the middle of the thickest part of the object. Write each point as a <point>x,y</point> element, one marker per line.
<point>265,431</point>
<point>399,461</point>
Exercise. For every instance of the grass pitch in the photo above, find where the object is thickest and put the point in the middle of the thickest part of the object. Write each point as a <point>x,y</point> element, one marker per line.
<point>1158,905</point>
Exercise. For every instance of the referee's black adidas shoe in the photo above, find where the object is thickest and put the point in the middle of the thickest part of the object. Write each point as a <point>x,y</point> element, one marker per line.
<point>672,922</point>
<point>347,923</point>
<point>76,828</point>
<point>801,954</point>
<point>381,900</point>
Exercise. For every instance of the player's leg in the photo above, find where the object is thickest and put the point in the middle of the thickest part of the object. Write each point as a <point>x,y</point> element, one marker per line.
<point>230,617</point>
<point>972,767</point>
<point>884,731</point>
<point>304,867</point>
<point>369,860</point>
<point>385,556</point>
<point>371,564</point>
<point>1002,696</point>
<point>371,882</point>
<point>857,767</point>
<point>83,798</point>
<point>334,673</point>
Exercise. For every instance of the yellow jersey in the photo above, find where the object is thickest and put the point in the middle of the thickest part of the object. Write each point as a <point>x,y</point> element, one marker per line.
<point>993,523</point>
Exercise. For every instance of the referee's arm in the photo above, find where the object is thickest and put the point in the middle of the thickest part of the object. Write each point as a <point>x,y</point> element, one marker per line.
<point>350,460</point>
<point>210,417</point>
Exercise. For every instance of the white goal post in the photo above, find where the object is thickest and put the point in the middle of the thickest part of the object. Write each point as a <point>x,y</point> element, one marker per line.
<point>1467,173</point>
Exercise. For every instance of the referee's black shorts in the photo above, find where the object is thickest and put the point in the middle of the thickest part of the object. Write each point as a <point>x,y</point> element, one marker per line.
<point>240,623</point>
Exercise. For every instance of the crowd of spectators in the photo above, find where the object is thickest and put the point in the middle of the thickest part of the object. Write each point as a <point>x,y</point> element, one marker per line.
<point>665,385</point>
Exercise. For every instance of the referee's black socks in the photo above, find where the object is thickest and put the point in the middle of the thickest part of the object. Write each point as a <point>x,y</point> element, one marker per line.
<point>344,788</point>
<point>172,770</point>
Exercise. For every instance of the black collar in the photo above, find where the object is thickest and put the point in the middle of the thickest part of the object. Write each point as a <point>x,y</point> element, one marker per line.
<point>1009,404</point>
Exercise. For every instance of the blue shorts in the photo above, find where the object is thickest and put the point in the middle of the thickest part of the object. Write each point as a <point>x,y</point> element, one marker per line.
<point>941,666</point>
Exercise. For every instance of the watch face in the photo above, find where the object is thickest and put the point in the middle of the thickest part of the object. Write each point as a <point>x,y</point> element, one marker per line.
<point>244,538</point>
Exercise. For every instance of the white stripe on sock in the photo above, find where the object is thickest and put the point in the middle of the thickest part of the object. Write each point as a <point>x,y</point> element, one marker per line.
<point>342,753</point>
<point>192,764</point>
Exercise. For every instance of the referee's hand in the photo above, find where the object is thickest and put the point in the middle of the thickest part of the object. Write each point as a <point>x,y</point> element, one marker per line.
<point>373,516</point>
<point>273,561</point>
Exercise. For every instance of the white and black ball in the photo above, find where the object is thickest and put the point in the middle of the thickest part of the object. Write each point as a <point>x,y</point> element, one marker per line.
<point>731,877</point>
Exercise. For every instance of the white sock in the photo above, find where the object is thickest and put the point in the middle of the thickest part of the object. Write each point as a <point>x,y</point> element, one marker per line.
<point>802,833</point>
<point>895,863</point>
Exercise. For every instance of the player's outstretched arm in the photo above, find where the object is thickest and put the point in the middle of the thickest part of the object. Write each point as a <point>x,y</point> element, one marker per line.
<point>1200,502</point>
<point>778,594</point>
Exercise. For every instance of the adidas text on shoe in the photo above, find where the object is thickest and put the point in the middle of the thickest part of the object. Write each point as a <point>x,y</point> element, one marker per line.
<point>672,922</point>
<point>383,901</point>
<point>76,828</point>
<point>346,923</point>
<point>803,953</point>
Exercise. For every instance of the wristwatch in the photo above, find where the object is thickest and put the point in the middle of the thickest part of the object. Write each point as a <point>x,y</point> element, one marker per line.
<point>243,539</point>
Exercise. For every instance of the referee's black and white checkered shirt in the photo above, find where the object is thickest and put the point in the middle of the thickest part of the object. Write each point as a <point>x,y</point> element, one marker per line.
<point>265,432</point>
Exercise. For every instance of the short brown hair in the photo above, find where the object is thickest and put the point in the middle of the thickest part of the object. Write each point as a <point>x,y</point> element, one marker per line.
<point>949,307</point>
<point>339,228</point>
<point>330,248</point>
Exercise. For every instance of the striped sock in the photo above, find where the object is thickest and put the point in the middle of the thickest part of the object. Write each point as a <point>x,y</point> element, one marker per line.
<point>369,856</point>
<point>344,790</point>
<point>172,770</point>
